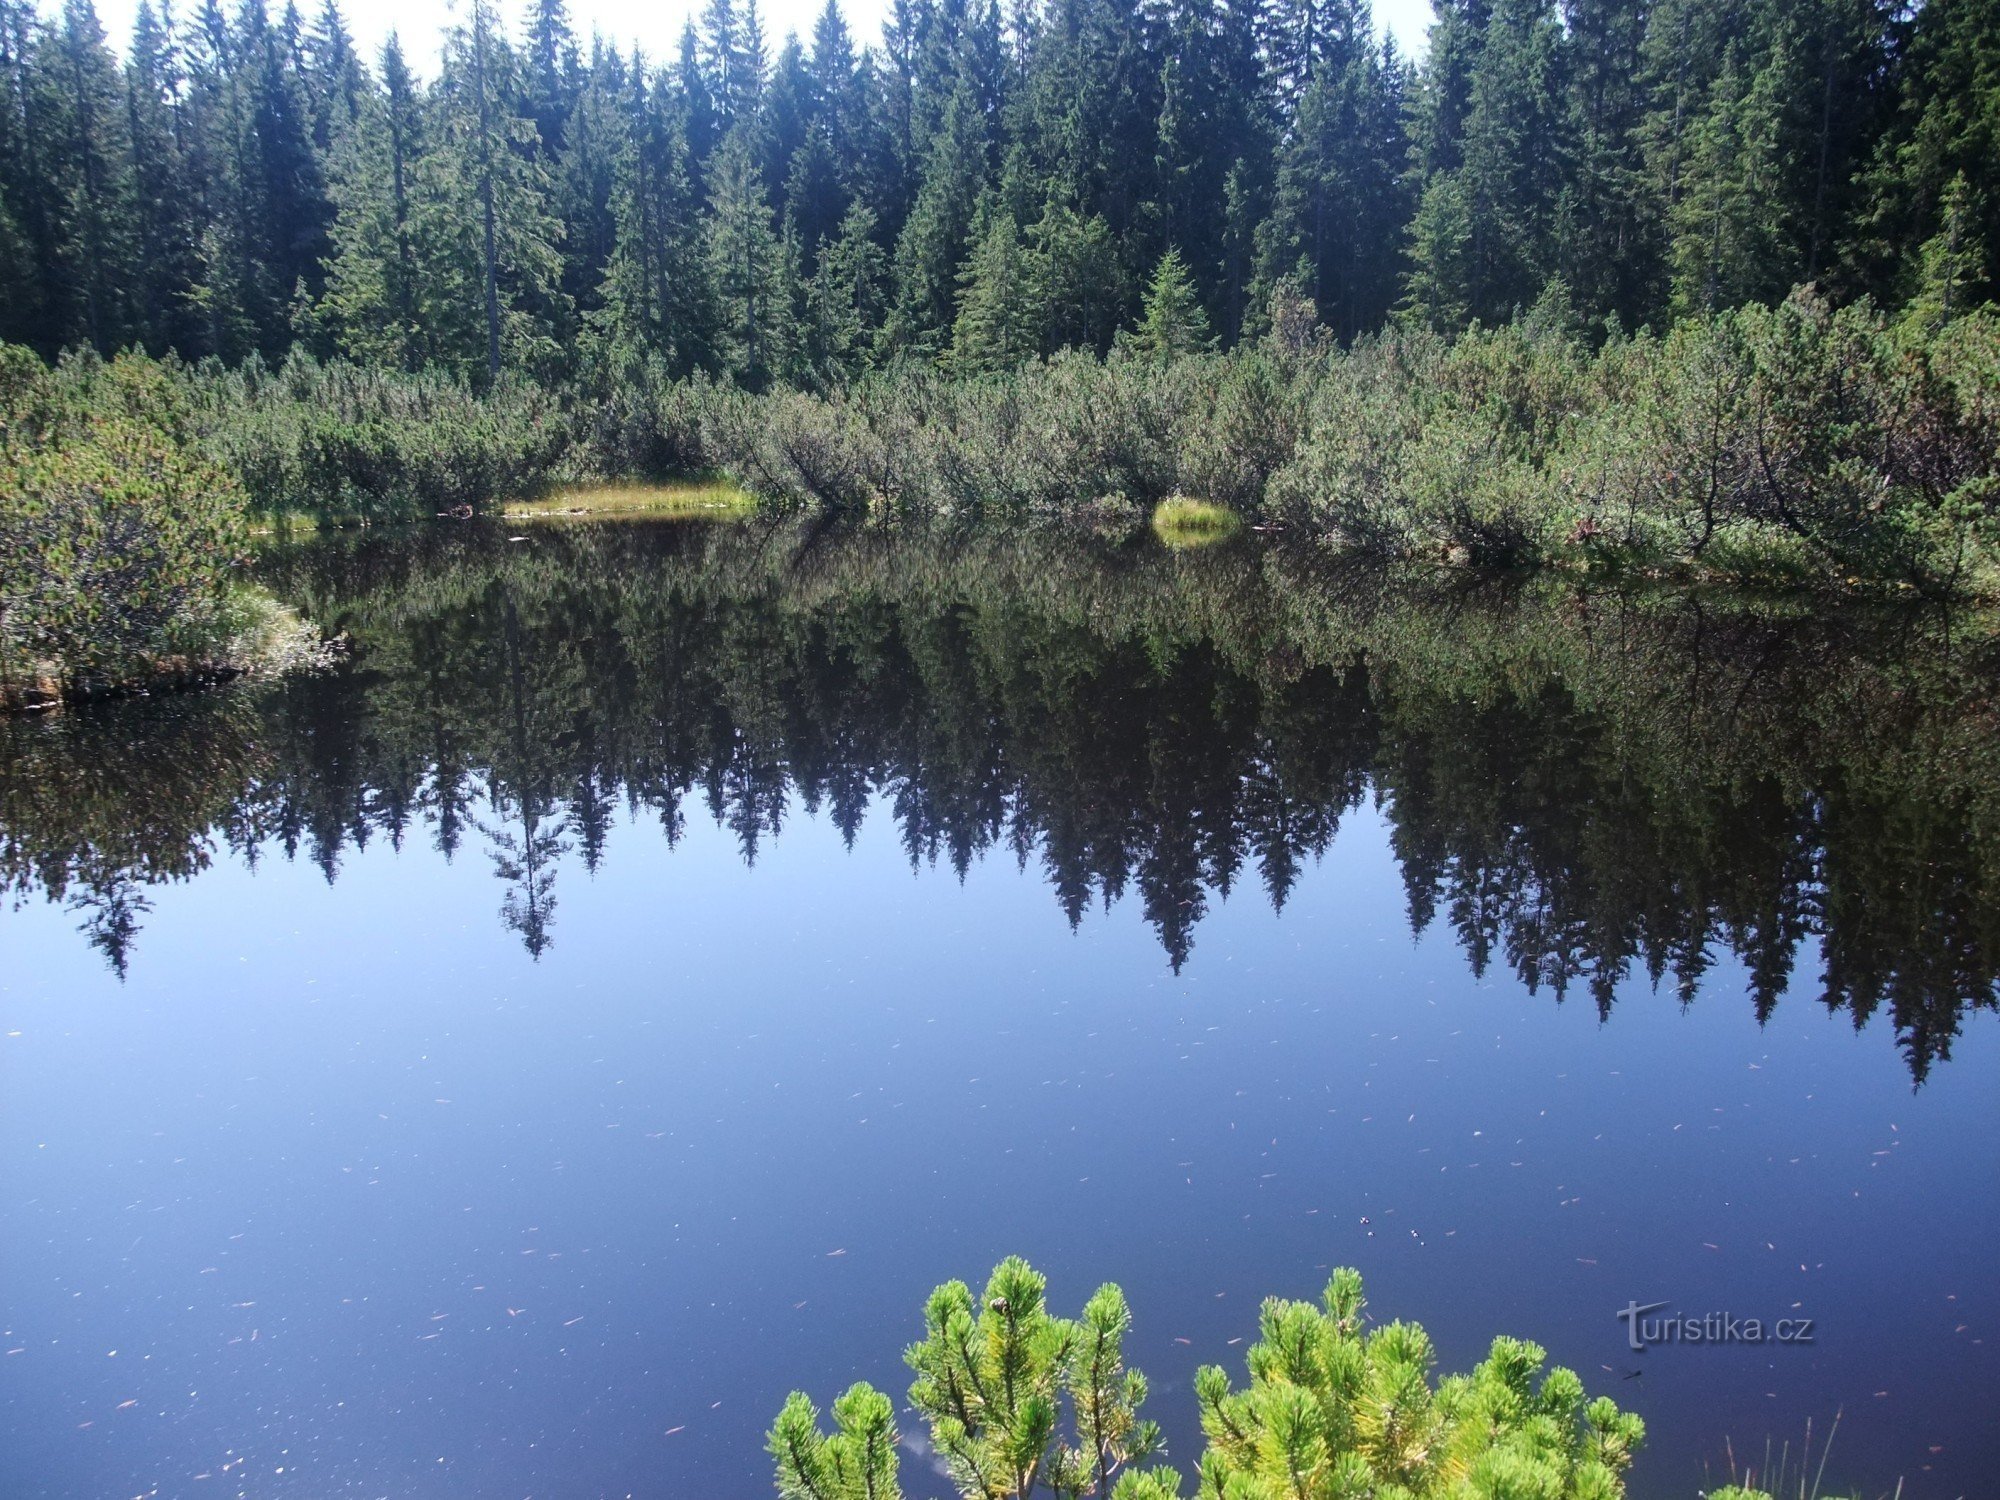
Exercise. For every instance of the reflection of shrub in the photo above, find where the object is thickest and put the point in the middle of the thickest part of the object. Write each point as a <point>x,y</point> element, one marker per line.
<point>1018,1400</point>
<point>116,541</point>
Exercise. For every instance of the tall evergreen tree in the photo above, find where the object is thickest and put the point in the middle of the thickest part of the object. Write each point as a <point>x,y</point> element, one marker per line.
<point>1336,224</point>
<point>999,323</point>
<point>375,307</point>
<point>934,241</point>
<point>746,264</point>
<point>166,222</point>
<point>90,167</point>
<point>657,298</point>
<point>1172,322</point>
<point>1484,241</point>
<point>843,304</point>
<point>1946,128</point>
<point>487,200</point>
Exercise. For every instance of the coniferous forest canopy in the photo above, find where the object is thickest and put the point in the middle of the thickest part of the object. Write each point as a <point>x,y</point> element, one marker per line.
<point>978,186</point>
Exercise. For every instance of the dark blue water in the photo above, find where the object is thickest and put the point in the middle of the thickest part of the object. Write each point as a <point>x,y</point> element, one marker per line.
<point>551,1173</point>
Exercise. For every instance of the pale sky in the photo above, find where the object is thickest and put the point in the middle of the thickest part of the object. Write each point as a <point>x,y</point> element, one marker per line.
<point>654,24</point>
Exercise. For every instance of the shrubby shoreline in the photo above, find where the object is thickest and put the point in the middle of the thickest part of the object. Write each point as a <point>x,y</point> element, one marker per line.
<point>1795,448</point>
<point>121,543</point>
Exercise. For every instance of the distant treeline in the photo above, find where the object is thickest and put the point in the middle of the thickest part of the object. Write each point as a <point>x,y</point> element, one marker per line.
<point>982,186</point>
<point>1581,787</point>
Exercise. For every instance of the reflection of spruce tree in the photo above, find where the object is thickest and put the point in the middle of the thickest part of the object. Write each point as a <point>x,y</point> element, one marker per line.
<point>111,910</point>
<point>1587,791</point>
<point>524,857</point>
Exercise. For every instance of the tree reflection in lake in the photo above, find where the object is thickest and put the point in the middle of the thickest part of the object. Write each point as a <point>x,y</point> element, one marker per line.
<point>1581,785</point>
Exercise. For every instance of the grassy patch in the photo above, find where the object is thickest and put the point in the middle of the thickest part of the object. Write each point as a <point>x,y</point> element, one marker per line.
<point>718,500</point>
<point>1180,521</point>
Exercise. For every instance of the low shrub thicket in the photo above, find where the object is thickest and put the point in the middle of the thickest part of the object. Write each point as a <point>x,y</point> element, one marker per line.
<point>1771,445</point>
<point>339,442</point>
<point>1777,445</point>
<point>118,541</point>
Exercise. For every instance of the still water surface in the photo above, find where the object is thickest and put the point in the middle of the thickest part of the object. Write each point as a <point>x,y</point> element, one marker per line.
<point>508,1064</point>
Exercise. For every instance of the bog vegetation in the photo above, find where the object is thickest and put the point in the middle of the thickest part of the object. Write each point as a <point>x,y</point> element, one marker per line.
<point>1692,287</point>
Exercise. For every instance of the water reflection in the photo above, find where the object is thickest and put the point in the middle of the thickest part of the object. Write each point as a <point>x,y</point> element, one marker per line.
<point>1580,785</point>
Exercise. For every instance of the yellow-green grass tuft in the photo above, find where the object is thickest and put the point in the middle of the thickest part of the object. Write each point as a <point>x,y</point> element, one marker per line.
<point>717,500</point>
<point>1182,521</point>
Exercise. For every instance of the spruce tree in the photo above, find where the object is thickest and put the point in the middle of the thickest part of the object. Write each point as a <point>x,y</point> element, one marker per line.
<point>166,204</point>
<point>844,303</point>
<point>1172,323</point>
<point>96,254</point>
<point>1340,206</point>
<point>373,303</point>
<point>1485,239</point>
<point>999,322</point>
<point>1946,126</point>
<point>1726,240</point>
<point>933,242</point>
<point>486,205</point>
<point>746,264</point>
<point>656,299</point>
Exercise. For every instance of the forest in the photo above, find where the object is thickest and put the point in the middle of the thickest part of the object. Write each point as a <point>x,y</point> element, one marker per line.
<point>979,187</point>
<point>1688,290</point>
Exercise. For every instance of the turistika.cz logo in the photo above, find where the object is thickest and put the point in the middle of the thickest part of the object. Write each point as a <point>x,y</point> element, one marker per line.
<point>1642,1331</point>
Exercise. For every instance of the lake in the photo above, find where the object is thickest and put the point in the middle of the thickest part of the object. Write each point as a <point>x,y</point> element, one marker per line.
<point>509,1062</point>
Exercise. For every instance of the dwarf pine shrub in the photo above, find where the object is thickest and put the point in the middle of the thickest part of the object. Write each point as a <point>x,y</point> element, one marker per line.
<point>1019,1402</point>
<point>117,540</point>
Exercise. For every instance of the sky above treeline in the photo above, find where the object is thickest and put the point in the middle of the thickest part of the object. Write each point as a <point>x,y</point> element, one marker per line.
<point>651,24</point>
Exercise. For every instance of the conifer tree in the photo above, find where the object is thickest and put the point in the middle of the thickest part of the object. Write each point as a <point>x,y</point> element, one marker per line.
<point>1172,323</point>
<point>1019,1402</point>
<point>373,302</point>
<point>1484,239</point>
<point>585,172</point>
<point>284,195</point>
<point>167,224</point>
<point>488,200</point>
<point>999,322</point>
<point>656,298</point>
<point>746,263</point>
<point>843,303</point>
<point>552,75</point>
<point>1606,249</point>
<point>336,80</point>
<point>1082,292</point>
<point>1953,260</point>
<point>23,299</point>
<point>91,170</point>
<point>1340,206</point>
<point>858,1462</point>
<point>933,242</point>
<point>1945,126</point>
<point>1725,240</point>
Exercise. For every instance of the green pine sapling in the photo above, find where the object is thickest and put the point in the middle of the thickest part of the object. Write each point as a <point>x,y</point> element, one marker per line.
<point>1021,1402</point>
<point>1018,1401</point>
